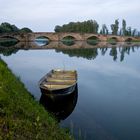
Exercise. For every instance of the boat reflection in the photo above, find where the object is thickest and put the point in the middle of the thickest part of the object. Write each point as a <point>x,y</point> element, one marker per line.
<point>60,106</point>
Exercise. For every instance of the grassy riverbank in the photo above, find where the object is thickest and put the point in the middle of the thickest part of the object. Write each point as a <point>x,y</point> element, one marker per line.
<point>21,117</point>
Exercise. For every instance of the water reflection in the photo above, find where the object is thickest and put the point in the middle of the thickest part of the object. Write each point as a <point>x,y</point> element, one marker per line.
<point>8,42</point>
<point>108,91</point>
<point>68,40</point>
<point>92,53</point>
<point>80,49</point>
<point>8,51</point>
<point>62,106</point>
<point>93,40</point>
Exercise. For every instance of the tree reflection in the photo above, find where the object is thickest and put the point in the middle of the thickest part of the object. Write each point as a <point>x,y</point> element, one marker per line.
<point>92,53</point>
<point>117,51</point>
<point>8,42</point>
<point>113,53</point>
<point>85,53</point>
<point>103,51</point>
<point>8,51</point>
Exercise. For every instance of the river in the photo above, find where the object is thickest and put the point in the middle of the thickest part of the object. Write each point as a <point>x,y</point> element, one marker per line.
<point>107,105</point>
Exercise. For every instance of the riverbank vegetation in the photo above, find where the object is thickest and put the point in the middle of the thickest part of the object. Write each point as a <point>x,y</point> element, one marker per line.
<point>92,26</point>
<point>21,117</point>
<point>9,28</point>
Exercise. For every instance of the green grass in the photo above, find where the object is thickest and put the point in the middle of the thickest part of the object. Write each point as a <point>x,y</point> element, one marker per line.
<point>21,117</point>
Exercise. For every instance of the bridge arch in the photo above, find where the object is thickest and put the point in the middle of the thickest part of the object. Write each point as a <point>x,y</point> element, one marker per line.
<point>87,36</point>
<point>113,38</point>
<point>69,37</point>
<point>129,39</point>
<point>93,40</point>
<point>68,40</point>
<point>42,40</point>
<point>93,37</point>
<point>76,36</point>
<point>43,37</point>
<point>9,37</point>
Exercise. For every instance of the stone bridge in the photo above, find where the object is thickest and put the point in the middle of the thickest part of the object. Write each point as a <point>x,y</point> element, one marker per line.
<point>29,37</point>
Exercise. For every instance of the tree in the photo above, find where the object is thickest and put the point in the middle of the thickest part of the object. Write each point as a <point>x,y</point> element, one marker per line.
<point>115,27</point>
<point>25,30</point>
<point>89,26</point>
<point>120,32</point>
<point>129,31</point>
<point>134,32</point>
<point>8,28</point>
<point>104,30</point>
<point>123,27</point>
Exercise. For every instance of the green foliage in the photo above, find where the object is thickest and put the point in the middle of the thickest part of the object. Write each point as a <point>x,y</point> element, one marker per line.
<point>8,28</point>
<point>124,27</point>
<point>89,26</point>
<point>21,117</point>
<point>104,30</point>
<point>25,30</point>
<point>115,27</point>
<point>134,32</point>
<point>129,31</point>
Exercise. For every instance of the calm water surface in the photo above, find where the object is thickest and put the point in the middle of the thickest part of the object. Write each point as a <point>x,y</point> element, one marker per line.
<point>108,102</point>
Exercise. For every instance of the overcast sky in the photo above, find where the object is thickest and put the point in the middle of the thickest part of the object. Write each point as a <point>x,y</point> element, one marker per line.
<point>43,15</point>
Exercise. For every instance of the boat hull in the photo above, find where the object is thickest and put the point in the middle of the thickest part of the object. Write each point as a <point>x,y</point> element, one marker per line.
<point>59,92</point>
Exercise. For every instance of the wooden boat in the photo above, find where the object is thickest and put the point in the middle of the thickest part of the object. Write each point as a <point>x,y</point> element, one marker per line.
<point>58,82</point>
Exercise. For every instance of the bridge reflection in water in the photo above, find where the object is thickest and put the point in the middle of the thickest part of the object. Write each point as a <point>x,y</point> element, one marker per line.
<point>79,49</point>
<point>76,45</point>
<point>62,106</point>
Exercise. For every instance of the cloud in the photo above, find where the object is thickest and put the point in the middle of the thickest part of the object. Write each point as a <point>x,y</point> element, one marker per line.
<point>43,14</point>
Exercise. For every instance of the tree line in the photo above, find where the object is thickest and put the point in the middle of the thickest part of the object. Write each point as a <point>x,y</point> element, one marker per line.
<point>8,28</point>
<point>91,26</point>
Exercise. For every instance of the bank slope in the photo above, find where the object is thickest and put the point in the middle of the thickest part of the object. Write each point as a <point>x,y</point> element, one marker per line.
<point>21,117</point>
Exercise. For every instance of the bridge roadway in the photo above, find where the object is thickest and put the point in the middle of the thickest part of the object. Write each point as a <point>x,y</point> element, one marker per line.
<point>52,36</point>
